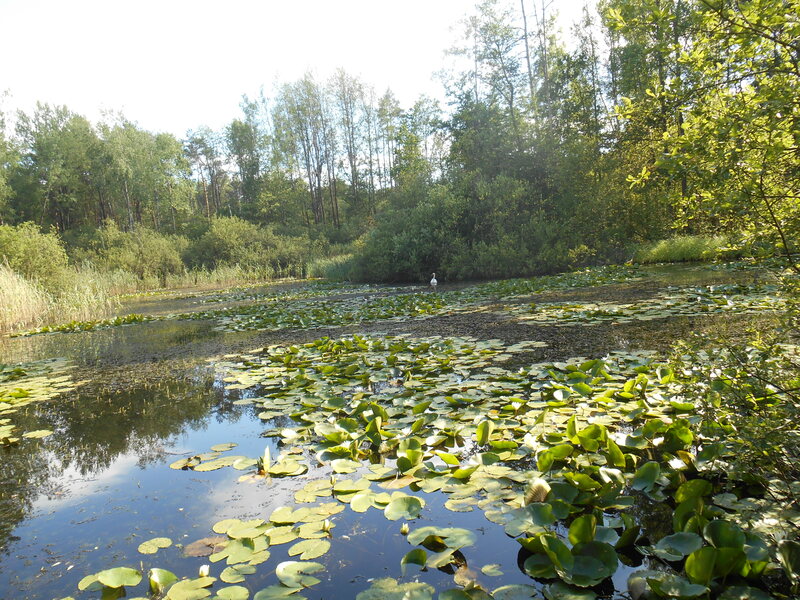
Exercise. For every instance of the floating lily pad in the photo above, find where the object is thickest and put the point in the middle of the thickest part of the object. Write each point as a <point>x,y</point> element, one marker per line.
<point>119,577</point>
<point>309,549</point>
<point>296,574</point>
<point>154,545</point>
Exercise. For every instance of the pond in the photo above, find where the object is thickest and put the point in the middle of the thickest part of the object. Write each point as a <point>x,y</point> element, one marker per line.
<point>426,416</point>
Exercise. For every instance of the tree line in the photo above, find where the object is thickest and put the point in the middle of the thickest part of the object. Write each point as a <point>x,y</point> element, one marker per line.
<point>659,116</point>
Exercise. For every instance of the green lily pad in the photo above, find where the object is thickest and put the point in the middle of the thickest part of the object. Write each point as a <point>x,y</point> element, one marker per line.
<point>309,549</point>
<point>224,447</point>
<point>514,592</point>
<point>674,547</point>
<point>154,545</point>
<point>674,586</point>
<point>404,507</point>
<point>119,577</point>
<point>191,589</point>
<point>724,534</point>
<point>562,591</point>
<point>645,477</point>
<point>233,592</point>
<point>160,579</point>
<point>296,574</point>
<point>278,591</point>
<point>391,589</point>
<point>236,573</point>
<point>417,556</point>
<point>454,538</point>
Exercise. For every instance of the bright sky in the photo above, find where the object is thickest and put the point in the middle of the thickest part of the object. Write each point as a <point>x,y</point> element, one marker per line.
<point>173,65</point>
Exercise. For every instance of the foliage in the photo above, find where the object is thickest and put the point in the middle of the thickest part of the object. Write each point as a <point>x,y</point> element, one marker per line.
<point>34,255</point>
<point>232,241</point>
<point>688,248</point>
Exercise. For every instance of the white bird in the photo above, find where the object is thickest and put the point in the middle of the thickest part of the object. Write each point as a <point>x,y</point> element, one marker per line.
<point>434,282</point>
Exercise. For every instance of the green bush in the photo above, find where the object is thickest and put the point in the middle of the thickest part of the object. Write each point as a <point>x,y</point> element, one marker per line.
<point>685,248</point>
<point>34,255</point>
<point>231,241</point>
<point>143,252</point>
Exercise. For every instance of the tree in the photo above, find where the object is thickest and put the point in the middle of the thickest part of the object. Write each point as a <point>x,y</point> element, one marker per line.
<point>740,140</point>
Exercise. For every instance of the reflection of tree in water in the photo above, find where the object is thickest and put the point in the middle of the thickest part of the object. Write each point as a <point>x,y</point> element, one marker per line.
<point>95,426</point>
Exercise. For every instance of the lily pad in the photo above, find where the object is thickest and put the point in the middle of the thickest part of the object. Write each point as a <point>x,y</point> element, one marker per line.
<point>296,574</point>
<point>119,577</point>
<point>154,545</point>
<point>309,549</point>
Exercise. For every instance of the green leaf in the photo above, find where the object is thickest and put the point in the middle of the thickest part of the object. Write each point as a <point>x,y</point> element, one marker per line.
<point>583,529</point>
<point>645,477</point>
<point>693,489</point>
<point>724,534</point>
<point>160,580</point>
<point>484,432</point>
<point>233,592</point>
<point>309,549</point>
<point>789,556</point>
<point>90,583</point>
<point>152,546</point>
<point>674,547</point>
<point>454,538</point>
<point>741,592</point>
<point>236,573</point>
<point>403,507</point>
<point>278,591</point>
<point>119,577</point>
<point>700,565</point>
<point>297,574</point>
<point>191,589</point>
<point>515,592</point>
<point>417,556</point>
<point>390,589</point>
<point>562,591</point>
<point>673,586</point>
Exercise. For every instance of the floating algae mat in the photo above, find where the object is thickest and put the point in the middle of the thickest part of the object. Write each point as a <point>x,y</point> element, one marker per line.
<point>561,458</point>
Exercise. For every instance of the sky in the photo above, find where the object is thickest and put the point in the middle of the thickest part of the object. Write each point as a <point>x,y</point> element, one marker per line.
<point>175,65</point>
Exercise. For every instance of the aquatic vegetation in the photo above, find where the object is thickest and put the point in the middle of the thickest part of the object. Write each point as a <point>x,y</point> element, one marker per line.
<point>74,326</point>
<point>674,302</point>
<point>22,385</point>
<point>561,456</point>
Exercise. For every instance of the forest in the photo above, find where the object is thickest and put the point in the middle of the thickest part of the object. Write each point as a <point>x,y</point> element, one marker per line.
<point>659,119</point>
<point>223,358</point>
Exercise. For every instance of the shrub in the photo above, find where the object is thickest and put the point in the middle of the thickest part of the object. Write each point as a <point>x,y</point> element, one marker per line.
<point>35,255</point>
<point>231,241</point>
<point>686,248</point>
<point>143,252</point>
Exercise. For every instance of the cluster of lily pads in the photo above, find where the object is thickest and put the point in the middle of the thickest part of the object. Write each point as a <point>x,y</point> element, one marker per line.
<point>564,457</point>
<point>75,326</point>
<point>22,385</point>
<point>695,301</point>
<point>367,308</point>
<point>300,307</point>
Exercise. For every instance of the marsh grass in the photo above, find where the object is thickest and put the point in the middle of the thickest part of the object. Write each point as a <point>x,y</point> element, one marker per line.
<point>25,304</point>
<point>335,268</point>
<point>22,303</point>
<point>688,248</point>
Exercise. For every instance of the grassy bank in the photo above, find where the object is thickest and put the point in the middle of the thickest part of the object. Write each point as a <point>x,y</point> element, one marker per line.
<point>689,248</point>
